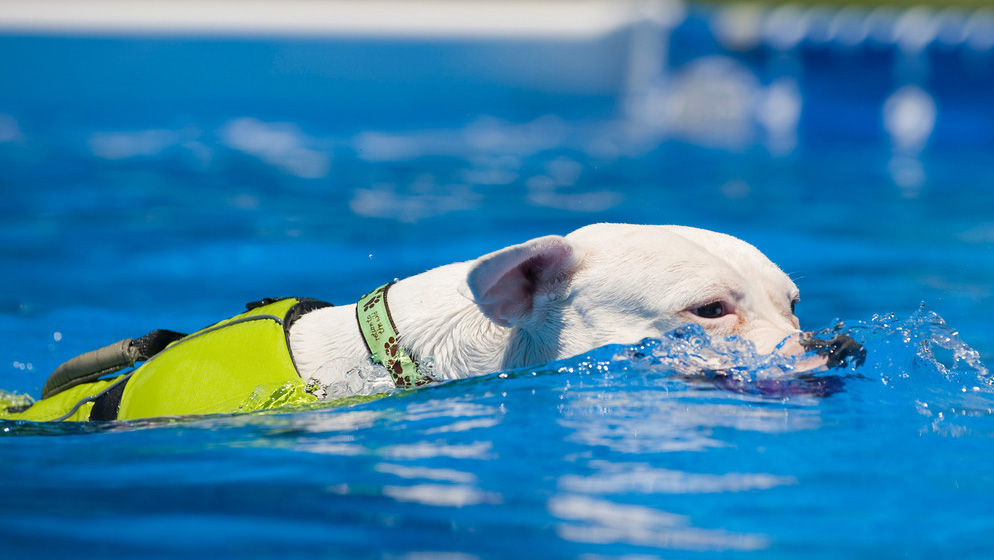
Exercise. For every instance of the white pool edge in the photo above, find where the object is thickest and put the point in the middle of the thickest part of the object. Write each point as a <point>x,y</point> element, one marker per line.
<point>427,19</point>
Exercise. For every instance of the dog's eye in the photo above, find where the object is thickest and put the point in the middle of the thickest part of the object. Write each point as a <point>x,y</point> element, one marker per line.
<point>712,310</point>
<point>793,306</point>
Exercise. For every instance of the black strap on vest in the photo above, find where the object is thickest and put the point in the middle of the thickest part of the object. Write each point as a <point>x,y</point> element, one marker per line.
<point>303,307</point>
<point>107,405</point>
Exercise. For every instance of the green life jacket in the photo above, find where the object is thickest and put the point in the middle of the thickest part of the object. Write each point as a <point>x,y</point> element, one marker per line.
<point>237,365</point>
<point>242,364</point>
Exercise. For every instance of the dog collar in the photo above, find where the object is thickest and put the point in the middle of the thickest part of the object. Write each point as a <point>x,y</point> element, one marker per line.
<point>380,335</point>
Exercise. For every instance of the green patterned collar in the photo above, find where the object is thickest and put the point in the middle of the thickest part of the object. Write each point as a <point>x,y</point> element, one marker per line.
<point>380,334</point>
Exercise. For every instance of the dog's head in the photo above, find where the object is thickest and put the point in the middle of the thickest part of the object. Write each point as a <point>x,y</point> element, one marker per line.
<point>619,283</point>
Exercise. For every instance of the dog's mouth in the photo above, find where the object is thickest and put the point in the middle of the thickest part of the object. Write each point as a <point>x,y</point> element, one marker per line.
<point>813,354</point>
<point>838,352</point>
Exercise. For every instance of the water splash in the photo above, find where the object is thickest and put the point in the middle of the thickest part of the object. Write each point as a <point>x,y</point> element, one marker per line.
<point>922,361</point>
<point>689,350</point>
<point>266,398</point>
<point>14,400</point>
<point>730,363</point>
<point>347,377</point>
<point>922,344</point>
<point>921,349</point>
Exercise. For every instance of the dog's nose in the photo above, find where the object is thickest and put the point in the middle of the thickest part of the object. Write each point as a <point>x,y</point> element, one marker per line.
<point>839,351</point>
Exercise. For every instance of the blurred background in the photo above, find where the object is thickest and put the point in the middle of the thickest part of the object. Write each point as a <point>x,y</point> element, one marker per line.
<point>162,162</point>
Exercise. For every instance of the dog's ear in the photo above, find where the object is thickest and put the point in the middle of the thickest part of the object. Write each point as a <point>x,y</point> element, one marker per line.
<point>514,285</point>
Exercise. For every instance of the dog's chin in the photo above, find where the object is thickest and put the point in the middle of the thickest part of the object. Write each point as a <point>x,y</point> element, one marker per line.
<point>804,362</point>
<point>811,364</point>
<point>810,355</point>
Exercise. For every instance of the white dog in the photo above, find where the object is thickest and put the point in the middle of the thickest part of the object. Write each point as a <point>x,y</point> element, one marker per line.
<point>556,297</point>
<point>547,299</point>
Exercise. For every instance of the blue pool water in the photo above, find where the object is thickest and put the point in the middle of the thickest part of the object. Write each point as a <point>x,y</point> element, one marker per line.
<point>168,200</point>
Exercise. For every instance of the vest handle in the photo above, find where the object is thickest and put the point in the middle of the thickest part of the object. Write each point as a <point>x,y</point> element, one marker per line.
<point>92,365</point>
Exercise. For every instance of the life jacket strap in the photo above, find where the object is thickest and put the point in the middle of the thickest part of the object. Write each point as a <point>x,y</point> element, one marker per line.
<point>108,403</point>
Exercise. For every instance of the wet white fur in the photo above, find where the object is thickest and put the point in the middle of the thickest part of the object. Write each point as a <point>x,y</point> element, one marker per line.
<point>556,297</point>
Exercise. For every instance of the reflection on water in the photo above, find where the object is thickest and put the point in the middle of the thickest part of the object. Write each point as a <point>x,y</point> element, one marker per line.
<point>591,520</point>
<point>672,420</point>
<point>452,495</point>
<point>643,478</point>
<point>416,472</point>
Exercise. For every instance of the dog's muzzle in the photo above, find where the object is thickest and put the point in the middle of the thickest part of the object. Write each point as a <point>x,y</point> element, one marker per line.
<point>840,351</point>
